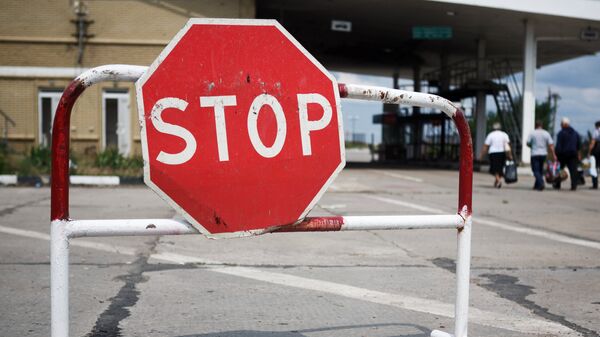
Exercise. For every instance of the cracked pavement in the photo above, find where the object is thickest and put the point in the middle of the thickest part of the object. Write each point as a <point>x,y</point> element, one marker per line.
<point>286,285</point>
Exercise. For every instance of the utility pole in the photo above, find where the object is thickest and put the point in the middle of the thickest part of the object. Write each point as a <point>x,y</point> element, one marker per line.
<point>353,119</point>
<point>553,98</point>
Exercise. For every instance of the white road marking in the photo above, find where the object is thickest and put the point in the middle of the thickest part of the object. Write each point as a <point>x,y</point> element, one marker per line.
<point>541,233</point>
<point>398,175</point>
<point>406,204</point>
<point>25,233</point>
<point>349,186</point>
<point>401,301</point>
<point>78,243</point>
<point>333,206</point>
<point>182,259</point>
<point>478,220</point>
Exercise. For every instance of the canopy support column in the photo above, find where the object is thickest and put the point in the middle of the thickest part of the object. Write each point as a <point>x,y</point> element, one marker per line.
<point>528,108</point>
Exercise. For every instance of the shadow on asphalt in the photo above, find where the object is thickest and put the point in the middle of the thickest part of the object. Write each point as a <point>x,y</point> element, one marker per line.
<point>301,333</point>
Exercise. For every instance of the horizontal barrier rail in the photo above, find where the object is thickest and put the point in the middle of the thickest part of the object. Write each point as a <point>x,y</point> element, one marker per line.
<point>138,227</point>
<point>63,228</point>
<point>382,222</point>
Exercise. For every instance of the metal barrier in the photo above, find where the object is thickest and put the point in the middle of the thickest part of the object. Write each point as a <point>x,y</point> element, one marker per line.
<point>64,229</point>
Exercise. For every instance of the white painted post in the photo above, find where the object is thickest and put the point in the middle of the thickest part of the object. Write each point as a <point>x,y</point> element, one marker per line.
<point>463,276</point>
<point>59,279</point>
<point>528,108</point>
<point>463,270</point>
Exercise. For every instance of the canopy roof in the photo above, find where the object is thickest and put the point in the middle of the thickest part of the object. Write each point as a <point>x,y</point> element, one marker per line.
<point>380,40</point>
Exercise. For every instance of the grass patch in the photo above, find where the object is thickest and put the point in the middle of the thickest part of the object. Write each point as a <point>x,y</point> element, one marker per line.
<point>109,162</point>
<point>37,162</point>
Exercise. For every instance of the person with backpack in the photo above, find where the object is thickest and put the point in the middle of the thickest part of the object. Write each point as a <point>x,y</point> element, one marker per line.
<point>595,151</point>
<point>568,144</point>
<point>540,142</point>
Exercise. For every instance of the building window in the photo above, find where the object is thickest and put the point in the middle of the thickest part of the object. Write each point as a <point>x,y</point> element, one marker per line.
<point>116,123</point>
<point>47,104</point>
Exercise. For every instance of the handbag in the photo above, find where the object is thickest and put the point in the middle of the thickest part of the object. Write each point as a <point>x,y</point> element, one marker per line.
<point>510,172</point>
<point>553,171</point>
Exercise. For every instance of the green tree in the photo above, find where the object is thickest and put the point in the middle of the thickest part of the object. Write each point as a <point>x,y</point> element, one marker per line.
<point>544,111</point>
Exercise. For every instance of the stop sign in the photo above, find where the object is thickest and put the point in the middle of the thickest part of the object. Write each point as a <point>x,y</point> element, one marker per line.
<point>241,127</point>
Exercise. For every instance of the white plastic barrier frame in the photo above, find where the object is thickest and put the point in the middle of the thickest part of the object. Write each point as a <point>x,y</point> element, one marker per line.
<point>63,229</point>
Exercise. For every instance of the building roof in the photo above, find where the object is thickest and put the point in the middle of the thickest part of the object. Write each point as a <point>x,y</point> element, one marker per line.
<point>380,40</point>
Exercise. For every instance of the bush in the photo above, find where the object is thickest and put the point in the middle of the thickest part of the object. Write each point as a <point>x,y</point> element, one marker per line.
<point>41,157</point>
<point>111,158</point>
<point>110,162</point>
<point>37,162</point>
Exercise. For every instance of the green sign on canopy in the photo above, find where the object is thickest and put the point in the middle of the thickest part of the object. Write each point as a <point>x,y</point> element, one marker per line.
<point>431,32</point>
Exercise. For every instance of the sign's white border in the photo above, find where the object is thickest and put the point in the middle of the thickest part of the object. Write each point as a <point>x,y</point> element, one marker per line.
<point>140,103</point>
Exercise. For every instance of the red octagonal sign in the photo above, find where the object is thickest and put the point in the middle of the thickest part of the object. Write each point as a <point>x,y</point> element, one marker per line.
<point>241,126</point>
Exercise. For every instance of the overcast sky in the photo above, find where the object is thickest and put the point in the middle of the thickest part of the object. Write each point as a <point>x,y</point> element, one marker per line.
<point>576,81</point>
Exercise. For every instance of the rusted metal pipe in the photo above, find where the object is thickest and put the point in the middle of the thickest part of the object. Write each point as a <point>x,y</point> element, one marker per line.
<point>59,204</point>
<point>396,96</point>
<point>382,222</point>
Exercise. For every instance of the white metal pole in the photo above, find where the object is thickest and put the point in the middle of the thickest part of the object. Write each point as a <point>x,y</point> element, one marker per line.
<point>129,227</point>
<point>59,279</point>
<point>529,64</point>
<point>396,96</point>
<point>463,270</point>
<point>394,222</point>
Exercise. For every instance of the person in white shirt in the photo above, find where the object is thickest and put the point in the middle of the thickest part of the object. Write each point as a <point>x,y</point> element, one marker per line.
<point>540,142</point>
<point>497,145</point>
<point>594,150</point>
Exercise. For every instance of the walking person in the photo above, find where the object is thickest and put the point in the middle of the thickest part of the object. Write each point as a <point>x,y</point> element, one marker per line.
<point>595,151</point>
<point>568,144</point>
<point>497,145</point>
<point>540,142</point>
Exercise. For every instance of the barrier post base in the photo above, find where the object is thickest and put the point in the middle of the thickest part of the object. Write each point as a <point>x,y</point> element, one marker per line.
<point>59,278</point>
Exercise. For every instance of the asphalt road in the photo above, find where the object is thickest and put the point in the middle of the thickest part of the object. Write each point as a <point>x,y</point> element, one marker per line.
<point>535,266</point>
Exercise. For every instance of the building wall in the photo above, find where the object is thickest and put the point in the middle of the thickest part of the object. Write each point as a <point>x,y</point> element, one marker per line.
<point>39,33</point>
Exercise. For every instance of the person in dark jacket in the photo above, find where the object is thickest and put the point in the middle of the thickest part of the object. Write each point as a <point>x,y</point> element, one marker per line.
<point>595,151</point>
<point>568,144</point>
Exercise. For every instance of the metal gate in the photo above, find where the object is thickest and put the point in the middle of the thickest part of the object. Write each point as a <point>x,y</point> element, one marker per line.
<point>63,229</point>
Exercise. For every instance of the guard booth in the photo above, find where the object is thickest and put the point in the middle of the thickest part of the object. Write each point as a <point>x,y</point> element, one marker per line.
<point>233,114</point>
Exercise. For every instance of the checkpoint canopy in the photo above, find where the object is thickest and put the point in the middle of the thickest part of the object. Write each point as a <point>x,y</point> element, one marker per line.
<point>241,127</point>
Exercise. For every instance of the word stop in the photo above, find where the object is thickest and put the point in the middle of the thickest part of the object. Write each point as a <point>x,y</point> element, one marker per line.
<point>218,103</point>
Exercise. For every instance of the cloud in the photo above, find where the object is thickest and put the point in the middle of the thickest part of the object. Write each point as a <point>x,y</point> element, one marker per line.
<point>578,83</point>
<point>362,112</point>
<point>581,105</point>
<point>581,72</point>
<point>591,95</point>
<point>363,79</point>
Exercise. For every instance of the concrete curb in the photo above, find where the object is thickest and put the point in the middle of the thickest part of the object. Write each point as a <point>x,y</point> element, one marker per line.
<point>75,180</point>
